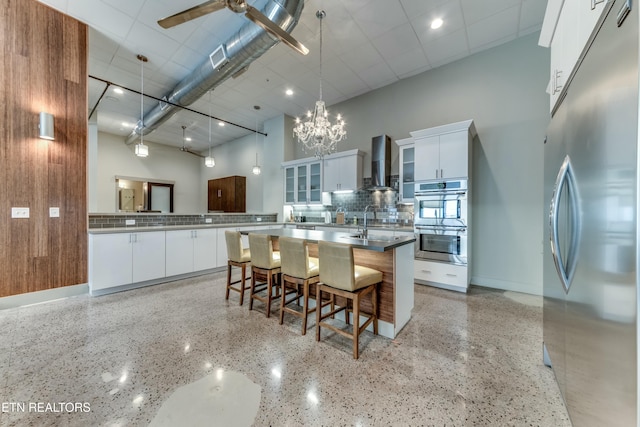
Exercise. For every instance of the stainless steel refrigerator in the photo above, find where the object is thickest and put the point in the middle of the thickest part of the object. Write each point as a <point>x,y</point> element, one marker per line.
<point>591,238</point>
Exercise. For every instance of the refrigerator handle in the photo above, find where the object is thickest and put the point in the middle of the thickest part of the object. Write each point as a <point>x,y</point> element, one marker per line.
<point>565,267</point>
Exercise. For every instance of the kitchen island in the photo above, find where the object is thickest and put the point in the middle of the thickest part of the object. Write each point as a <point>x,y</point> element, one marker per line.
<point>392,255</point>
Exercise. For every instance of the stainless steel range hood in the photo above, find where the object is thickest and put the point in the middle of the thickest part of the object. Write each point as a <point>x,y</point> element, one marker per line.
<point>380,163</point>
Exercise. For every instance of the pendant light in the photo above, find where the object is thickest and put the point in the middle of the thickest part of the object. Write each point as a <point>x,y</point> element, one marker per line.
<point>142,150</point>
<point>209,161</point>
<point>256,169</point>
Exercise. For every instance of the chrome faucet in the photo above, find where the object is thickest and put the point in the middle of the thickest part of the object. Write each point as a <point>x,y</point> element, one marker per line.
<point>365,229</point>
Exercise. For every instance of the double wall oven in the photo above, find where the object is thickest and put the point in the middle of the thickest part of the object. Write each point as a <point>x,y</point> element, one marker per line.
<point>440,221</point>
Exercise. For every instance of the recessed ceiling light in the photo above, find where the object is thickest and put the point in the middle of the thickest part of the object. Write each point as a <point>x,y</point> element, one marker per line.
<point>118,91</point>
<point>220,123</point>
<point>436,23</point>
<point>289,92</point>
<point>187,139</point>
<point>127,125</point>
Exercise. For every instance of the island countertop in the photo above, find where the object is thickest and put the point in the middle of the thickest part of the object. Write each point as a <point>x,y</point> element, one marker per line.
<point>374,242</point>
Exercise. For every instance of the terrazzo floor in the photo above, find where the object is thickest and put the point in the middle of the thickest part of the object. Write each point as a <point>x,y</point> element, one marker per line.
<point>155,355</point>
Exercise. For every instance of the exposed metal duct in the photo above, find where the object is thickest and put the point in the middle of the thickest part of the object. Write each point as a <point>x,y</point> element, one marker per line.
<point>228,59</point>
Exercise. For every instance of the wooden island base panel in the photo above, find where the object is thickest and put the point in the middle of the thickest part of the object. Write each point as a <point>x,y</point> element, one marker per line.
<point>393,258</point>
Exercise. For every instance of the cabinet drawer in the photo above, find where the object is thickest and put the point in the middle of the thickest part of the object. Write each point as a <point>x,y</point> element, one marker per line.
<point>455,275</point>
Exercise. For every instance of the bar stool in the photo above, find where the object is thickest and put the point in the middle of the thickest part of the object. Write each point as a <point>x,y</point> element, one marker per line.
<point>339,276</point>
<point>265,263</point>
<point>238,257</point>
<point>298,270</point>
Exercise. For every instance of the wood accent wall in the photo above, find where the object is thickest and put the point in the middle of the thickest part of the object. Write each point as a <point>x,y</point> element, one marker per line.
<point>44,68</point>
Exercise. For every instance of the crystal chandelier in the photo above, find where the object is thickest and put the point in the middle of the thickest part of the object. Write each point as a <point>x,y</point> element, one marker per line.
<point>142,150</point>
<point>317,134</point>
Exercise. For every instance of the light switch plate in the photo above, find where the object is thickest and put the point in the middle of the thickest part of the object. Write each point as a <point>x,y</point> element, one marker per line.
<point>54,212</point>
<point>259,219</point>
<point>19,212</point>
<point>130,222</point>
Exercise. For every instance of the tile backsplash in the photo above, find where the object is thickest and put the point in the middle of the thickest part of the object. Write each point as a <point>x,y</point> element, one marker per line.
<point>353,205</point>
<point>154,220</point>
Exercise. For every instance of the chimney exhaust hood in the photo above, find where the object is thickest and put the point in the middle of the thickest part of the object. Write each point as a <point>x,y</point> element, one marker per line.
<point>380,163</point>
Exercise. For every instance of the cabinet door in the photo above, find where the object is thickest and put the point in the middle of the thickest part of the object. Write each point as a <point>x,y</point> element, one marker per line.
<point>454,158</point>
<point>148,255</point>
<point>204,249</point>
<point>289,185</point>
<point>348,168</point>
<point>407,178</point>
<point>302,183</point>
<point>315,182</point>
<point>179,252</point>
<point>110,262</point>
<point>331,174</point>
<point>427,156</point>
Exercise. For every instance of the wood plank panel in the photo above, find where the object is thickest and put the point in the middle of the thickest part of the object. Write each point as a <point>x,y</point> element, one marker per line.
<point>44,69</point>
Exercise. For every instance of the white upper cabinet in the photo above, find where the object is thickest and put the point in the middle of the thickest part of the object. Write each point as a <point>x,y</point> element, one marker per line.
<point>343,171</point>
<point>406,155</point>
<point>567,27</point>
<point>303,181</point>
<point>443,152</point>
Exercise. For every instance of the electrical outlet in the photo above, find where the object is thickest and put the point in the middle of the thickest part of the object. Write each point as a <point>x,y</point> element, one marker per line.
<point>54,212</point>
<point>19,212</point>
<point>130,222</point>
<point>208,220</point>
<point>259,219</point>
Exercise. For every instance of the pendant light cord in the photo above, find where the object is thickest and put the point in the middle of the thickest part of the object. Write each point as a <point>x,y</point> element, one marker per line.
<point>320,15</point>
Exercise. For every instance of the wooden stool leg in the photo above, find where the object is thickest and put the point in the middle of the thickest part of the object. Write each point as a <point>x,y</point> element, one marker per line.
<point>356,324</point>
<point>269,290</point>
<point>244,276</point>
<point>253,289</point>
<point>305,306</point>
<point>284,294</point>
<point>318,311</point>
<point>228,280</point>
<point>374,304</point>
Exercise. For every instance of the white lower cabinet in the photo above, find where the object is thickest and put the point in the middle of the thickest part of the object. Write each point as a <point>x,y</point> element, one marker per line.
<point>190,250</point>
<point>124,258</point>
<point>452,276</point>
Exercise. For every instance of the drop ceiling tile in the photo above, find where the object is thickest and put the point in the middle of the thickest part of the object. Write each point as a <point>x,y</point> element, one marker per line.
<point>420,7</point>
<point>130,7</point>
<point>443,48</point>
<point>356,5</point>
<point>378,75</point>
<point>475,10</point>
<point>396,42</point>
<point>188,58</point>
<point>449,12</point>
<point>406,63</point>
<point>531,16</point>
<point>102,47</point>
<point>103,17</point>
<point>152,43</point>
<point>500,26</point>
<point>362,58</point>
<point>379,17</point>
<point>61,5</point>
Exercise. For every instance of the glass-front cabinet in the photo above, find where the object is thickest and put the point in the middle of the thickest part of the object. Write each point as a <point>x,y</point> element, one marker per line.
<point>303,182</point>
<point>406,148</point>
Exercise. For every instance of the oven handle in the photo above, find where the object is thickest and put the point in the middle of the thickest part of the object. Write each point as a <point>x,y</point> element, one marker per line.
<point>439,193</point>
<point>441,227</point>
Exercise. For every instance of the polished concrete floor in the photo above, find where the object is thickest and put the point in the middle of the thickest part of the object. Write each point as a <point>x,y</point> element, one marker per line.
<point>179,354</point>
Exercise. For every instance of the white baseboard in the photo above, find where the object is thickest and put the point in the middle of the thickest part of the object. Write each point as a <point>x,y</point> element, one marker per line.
<point>43,296</point>
<point>505,285</point>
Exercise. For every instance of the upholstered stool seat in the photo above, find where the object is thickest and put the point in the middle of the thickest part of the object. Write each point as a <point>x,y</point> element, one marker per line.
<point>265,263</point>
<point>339,276</point>
<point>299,270</point>
<point>237,257</point>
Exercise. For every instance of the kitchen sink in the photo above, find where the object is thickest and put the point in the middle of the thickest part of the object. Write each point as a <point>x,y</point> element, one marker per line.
<point>374,237</point>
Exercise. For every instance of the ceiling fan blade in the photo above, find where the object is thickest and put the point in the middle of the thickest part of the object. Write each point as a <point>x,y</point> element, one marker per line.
<point>192,13</point>
<point>268,25</point>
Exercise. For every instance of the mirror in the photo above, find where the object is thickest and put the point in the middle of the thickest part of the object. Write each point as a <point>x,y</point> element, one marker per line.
<point>144,195</point>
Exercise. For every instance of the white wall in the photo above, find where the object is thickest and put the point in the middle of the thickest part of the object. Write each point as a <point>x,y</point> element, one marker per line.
<point>503,90</point>
<point>163,163</point>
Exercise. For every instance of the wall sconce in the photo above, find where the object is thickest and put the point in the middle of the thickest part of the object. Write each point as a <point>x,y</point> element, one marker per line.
<point>46,126</point>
